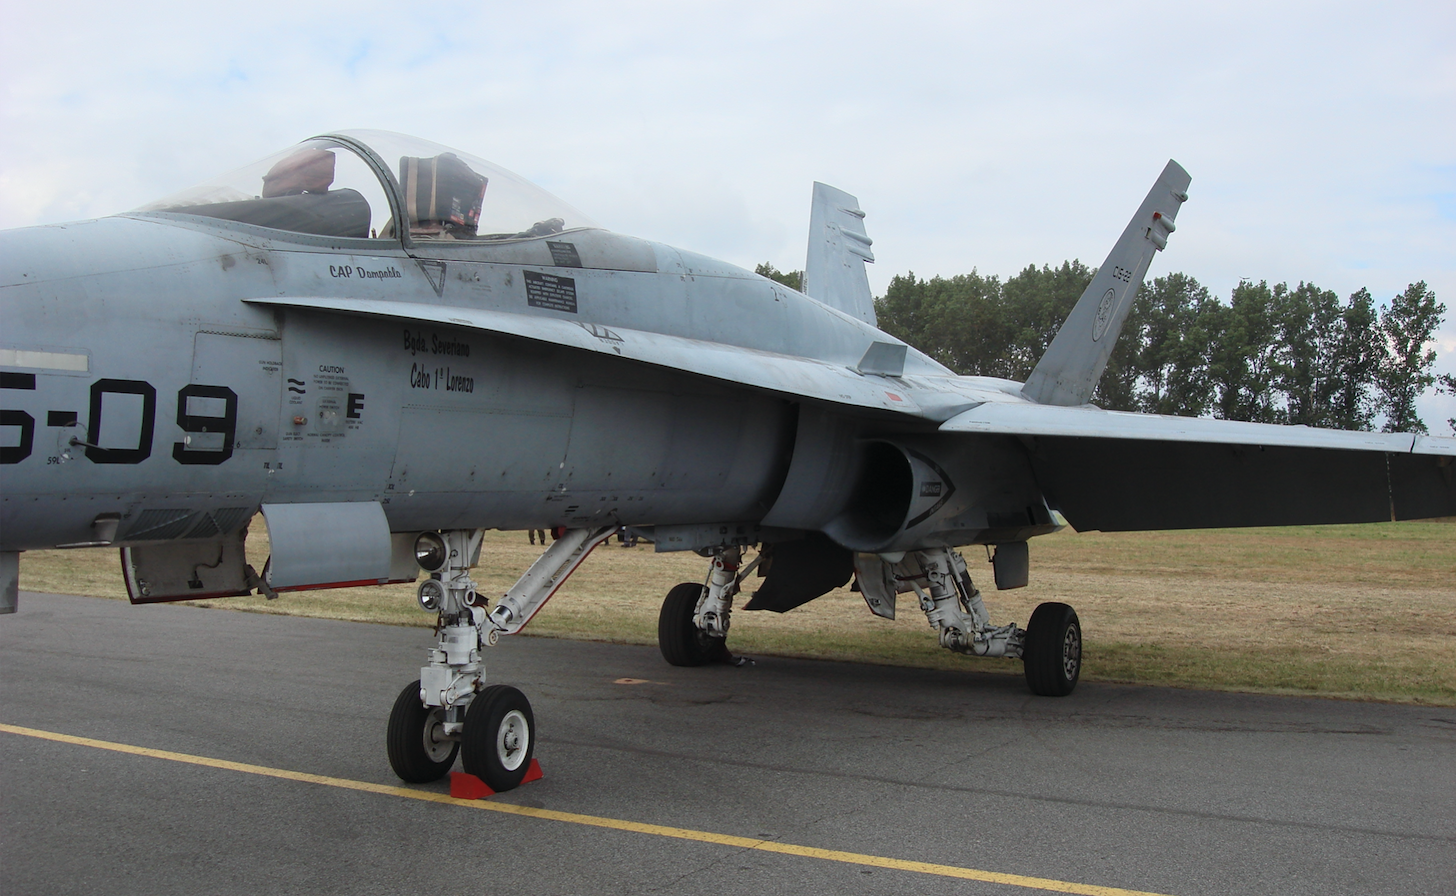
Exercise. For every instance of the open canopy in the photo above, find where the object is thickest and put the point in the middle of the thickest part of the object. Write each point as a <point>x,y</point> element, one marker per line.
<point>360,184</point>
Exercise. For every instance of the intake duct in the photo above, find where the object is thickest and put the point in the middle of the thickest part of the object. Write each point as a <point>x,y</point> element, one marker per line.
<point>874,492</point>
<point>879,501</point>
<point>866,491</point>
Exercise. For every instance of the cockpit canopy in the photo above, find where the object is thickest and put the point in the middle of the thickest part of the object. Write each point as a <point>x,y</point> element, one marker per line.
<point>358,184</point>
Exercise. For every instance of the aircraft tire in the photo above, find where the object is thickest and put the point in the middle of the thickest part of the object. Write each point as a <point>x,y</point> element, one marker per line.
<point>681,642</point>
<point>499,737</point>
<point>413,755</point>
<point>1053,650</point>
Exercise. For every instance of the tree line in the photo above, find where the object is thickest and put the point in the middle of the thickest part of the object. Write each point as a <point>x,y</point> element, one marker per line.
<point>1269,354</point>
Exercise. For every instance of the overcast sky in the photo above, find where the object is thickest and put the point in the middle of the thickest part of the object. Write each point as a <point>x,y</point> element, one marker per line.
<point>1321,137</point>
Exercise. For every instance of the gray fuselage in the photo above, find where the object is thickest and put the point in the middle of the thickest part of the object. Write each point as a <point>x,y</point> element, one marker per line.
<point>189,407</point>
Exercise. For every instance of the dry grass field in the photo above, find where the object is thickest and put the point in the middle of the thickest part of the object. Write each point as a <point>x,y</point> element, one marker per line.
<point>1360,612</point>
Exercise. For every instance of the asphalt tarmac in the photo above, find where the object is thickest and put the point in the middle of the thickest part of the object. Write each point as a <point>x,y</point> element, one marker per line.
<point>786,776</point>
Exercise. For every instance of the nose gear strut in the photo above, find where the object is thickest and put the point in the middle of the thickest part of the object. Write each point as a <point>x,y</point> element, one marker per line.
<point>450,710</point>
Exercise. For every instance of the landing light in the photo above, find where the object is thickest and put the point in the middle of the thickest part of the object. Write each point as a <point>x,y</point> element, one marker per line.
<point>430,551</point>
<point>431,595</point>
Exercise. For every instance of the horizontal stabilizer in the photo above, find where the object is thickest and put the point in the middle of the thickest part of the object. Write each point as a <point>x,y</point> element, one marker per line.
<point>838,249</point>
<point>1068,373</point>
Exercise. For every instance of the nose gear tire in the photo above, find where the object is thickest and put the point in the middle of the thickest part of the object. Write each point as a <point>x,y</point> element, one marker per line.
<point>499,737</point>
<point>418,752</point>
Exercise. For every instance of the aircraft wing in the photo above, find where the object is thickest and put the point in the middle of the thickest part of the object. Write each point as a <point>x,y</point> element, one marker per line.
<point>1117,471</point>
<point>801,377</point>
<point>1106,470</point>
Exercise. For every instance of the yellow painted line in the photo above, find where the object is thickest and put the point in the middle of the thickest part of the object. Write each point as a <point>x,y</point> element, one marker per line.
<point>616,824</point>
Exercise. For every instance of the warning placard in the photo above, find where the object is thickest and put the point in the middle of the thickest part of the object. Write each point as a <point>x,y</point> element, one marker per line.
<point>550,291</point>
<point>564,255</point>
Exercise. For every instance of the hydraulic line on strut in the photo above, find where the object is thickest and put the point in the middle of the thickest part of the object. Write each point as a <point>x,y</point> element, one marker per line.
<point>725,577</point>
<point>953,607</point>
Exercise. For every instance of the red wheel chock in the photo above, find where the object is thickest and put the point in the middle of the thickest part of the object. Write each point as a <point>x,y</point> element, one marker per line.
<point>465,786</point>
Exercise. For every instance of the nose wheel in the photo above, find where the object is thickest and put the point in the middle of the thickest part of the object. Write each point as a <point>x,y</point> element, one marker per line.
<point>495,743</point>
<point>499,737</point>
<point>419,750</point>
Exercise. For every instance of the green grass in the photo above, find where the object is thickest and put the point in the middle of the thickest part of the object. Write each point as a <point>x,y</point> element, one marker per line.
<point>1357,612</point>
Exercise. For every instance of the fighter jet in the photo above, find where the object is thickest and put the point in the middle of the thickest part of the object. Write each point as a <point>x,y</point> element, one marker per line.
<point>386,347</point>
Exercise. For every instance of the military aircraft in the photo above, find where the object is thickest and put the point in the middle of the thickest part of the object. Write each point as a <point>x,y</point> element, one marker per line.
<point>386,347</point>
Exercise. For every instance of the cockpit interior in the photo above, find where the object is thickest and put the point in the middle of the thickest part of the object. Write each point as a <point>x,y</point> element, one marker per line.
<point>340,185</point>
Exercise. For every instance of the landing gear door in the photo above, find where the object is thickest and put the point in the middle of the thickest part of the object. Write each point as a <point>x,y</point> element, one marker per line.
<point>186,570</point>
<point>327,545</point>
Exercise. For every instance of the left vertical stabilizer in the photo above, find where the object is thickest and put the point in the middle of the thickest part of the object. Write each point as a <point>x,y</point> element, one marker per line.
<point>1067,374</point>
<point>838,249</point>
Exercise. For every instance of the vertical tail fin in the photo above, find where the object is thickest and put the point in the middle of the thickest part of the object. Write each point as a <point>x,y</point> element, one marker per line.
<point>1068,373</point>
<point>838,249</point>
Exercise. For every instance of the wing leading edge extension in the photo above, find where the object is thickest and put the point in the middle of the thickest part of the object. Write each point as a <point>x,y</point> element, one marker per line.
<point>803,377</point>
<point>1115,471</point>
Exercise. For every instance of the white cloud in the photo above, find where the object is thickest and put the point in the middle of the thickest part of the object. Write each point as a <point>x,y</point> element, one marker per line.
<point>1321,138</point>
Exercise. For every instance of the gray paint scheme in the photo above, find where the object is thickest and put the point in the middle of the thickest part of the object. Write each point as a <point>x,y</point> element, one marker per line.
<point>671,391</point>
<point>1068,373</point>
<point>834,271</point>
<point>326,544</point>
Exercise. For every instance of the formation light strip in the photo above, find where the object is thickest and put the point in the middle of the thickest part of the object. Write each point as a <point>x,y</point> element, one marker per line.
<point>11,357</point>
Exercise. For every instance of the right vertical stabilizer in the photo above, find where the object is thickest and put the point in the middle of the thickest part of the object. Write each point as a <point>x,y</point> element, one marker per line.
<point>838,250</point>
<point>1068,373</point>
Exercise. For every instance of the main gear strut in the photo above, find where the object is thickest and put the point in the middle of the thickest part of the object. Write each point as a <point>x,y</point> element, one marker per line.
<point>953,605</point>
<point>692,629</point>
<point>1050,645</point>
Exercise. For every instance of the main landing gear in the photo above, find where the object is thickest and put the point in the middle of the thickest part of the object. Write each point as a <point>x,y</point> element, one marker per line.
<point>692,629</point>
<point>1053,650</point>
<point>1050,646</point>
<point>450,711</point>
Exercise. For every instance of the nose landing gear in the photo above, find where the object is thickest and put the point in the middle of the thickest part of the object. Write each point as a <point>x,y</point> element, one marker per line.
<point>419,749</point>
<point>450,711</point>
